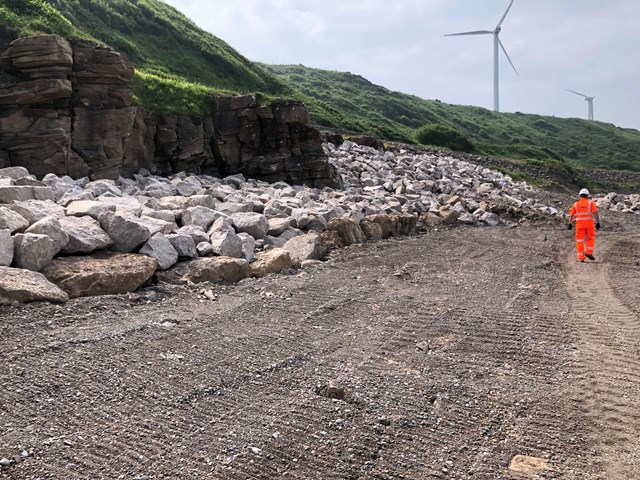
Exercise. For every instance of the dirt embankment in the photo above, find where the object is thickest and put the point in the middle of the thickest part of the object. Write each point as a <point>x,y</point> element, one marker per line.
<point>443,355</point>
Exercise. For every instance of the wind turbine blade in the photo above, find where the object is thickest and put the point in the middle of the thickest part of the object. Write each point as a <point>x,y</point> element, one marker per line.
<point>577,93</point>
<point>505,14</point>
<point>477,32</point>
<point>507,55</point>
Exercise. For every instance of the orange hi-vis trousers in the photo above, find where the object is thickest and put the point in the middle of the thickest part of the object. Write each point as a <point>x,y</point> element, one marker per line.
<point>585,237</point>
<point>582,211</point>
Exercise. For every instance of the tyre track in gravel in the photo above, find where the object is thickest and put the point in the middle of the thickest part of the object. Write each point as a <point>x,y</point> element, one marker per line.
<point>448,354</point>
<point>607,360</point>
<point>160,381</point>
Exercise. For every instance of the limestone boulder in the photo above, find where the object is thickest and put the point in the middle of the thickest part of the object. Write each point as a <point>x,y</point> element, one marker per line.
<point>125,205</point>
<point>33,251</point>
<point>20,285</point>
<point>490,219</point>
<point>102,273</point>
<point>204,249</point>
<point>174,203</point>
<point>348,229</point>
<point>372,231</point>
<point>468,218</point>
<point>388,223</point>
<point>226,243</point>
<point>160,248</point>
<point>271,261</point>
<point>299,217</point>
<point>305,247</point>
<point>85,235</point>
<point>12,221</point>
<point>156,225</point>
<point>248,246</point>
<point>316,223</point>
<point>255,224</point>
<point>126,233</point>
<point>186,189</point>
<point>198,234</point>
<point>92,208</point>
<point>14,172</point>
<point>74,195</point>
<point>278,225</point>
<point>184,245</point>
<point>167,216</point>
<point>20,193</point>
<point>202,217</point>
<point>52,228</point>
<point>232,208</point>
<point>330,240</point>
<point>408,224</point>
<point>275,241</point>
<point>102,186</point>
<point>207,201</point>
<point>34,210</point>
<point>6,248</point>
<point>207,269</point>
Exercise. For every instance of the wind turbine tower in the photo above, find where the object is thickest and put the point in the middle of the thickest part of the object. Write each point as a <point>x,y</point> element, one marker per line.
<point>589,101</point>
<point>497,44</point>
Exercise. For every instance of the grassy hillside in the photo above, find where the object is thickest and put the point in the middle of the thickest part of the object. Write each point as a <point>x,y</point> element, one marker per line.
<point>393,115</point>
<point>171,54</point>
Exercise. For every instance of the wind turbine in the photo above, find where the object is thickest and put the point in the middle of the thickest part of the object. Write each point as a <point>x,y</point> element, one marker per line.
<point>589,101</point>
<point>496,43</point>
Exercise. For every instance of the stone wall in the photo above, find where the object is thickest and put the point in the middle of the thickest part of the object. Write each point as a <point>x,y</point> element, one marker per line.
<point>69,111</point>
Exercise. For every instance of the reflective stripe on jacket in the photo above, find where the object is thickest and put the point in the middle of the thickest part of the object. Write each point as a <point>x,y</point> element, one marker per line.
<point>582,211</point>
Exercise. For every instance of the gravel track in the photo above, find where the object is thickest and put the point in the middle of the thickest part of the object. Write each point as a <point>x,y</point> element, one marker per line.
<point>437,356</point>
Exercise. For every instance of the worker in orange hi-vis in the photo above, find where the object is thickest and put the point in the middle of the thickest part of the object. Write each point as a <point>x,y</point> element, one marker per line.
<point>584,212</point>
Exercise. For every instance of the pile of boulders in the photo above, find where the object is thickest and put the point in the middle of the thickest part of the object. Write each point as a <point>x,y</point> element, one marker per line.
<point>62,237</point>
<point>438,184</point>
<point>620,203</point>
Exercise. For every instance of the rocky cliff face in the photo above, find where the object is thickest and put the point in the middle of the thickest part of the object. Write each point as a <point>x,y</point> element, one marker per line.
<point>69,111</point>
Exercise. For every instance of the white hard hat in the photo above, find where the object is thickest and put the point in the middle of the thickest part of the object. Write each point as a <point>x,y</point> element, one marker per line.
<point>584,191</point>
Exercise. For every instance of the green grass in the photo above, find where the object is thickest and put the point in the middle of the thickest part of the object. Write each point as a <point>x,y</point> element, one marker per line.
<point>157,37</point>
<point>397,116</point>
<point>164,93</point>
<point>28,17</point>
<point>179,67</point>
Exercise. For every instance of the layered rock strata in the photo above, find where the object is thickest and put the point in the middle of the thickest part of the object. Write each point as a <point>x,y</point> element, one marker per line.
<point>69,111</point>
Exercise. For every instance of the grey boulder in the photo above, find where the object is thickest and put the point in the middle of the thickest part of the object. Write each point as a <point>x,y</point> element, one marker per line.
<point>160,248</point>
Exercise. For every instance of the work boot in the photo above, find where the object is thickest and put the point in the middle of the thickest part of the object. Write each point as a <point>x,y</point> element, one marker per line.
<point>590,256</point>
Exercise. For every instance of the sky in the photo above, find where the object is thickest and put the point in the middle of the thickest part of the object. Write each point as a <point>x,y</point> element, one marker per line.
<point>589,46</point>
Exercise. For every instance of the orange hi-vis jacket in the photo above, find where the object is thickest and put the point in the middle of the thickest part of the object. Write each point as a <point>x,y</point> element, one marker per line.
<point>583,211</point>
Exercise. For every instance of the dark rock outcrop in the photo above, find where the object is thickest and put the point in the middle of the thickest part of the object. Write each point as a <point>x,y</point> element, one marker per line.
<point>273,142</point>
<point>102,273</point>
<point>69,111</point>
